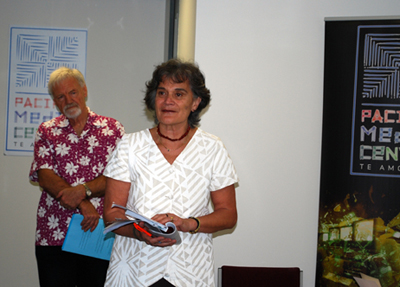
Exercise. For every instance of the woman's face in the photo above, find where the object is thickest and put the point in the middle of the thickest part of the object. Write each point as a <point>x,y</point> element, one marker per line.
<point>174,102</point>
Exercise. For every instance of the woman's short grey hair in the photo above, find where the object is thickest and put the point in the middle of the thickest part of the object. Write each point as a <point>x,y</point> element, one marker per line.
<point>61,74</point>
<point>179,72</point>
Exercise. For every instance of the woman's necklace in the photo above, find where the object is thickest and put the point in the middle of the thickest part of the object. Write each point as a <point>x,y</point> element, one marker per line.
<point>168,149</point>
<point>173,140</point>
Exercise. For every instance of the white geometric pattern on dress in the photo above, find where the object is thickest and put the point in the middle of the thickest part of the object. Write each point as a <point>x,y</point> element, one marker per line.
<point>182,188</point>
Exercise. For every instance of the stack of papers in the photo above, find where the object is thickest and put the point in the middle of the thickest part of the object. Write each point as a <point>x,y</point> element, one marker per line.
<point>367,281</point>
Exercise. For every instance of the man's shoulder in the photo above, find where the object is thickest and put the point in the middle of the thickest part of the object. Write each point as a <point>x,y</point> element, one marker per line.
<point>102,121</point>
<point>93,116</point>
<point>59,121</point>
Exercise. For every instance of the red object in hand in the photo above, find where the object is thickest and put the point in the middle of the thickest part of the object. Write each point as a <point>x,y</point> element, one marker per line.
<point>141,229</point>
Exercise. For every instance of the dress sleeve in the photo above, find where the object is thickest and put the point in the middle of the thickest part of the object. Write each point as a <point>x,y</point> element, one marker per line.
<point>224,172</point>
<point>42,154</point>
<point>118,166</point>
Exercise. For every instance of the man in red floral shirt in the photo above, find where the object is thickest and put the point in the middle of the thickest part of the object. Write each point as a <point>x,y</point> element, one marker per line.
<point>70,154</point>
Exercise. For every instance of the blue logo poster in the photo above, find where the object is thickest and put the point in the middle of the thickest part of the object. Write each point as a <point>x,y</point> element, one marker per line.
<point>34,54</point>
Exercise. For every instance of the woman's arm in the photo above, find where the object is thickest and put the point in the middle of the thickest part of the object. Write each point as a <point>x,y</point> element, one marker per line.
<point>117,192</point>
<point>223,217</point>
<point>225,212</point>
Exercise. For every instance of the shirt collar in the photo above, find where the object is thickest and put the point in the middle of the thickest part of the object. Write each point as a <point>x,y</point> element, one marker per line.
<point>93,119</point>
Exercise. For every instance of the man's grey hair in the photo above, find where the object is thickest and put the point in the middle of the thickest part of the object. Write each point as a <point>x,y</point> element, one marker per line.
<point>61,74</point>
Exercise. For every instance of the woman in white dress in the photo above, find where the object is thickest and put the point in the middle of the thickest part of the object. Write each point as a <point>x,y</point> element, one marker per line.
<point>169,173</point>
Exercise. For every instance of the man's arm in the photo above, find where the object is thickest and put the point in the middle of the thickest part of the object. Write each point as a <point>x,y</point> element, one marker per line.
<point>69,196</point>
<point>74,197</point>
<point>51,182</point>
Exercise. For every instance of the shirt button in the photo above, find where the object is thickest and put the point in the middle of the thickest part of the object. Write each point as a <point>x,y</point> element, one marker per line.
<point>167,275</point>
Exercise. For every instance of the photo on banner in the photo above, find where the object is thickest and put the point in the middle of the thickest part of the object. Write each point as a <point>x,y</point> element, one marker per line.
<point>359,212</point>
<point>34,54</point>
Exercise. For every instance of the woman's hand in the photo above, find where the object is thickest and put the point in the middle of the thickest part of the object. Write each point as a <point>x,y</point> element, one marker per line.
<point>181,224</point>
<point>149,240</point>
<point>223,217</point>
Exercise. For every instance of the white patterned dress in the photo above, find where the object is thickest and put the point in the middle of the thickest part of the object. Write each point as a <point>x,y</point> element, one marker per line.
<point>182,188</point>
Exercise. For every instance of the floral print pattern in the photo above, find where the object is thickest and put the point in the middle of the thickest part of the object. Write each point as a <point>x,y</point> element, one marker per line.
<point>75,159</point>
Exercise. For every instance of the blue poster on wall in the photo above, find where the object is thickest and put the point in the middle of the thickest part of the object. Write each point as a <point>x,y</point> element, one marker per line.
<point>34,53</point>
<point>359,212</point>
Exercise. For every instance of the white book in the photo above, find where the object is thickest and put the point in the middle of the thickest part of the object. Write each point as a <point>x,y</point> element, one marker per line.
<point>155,228</point>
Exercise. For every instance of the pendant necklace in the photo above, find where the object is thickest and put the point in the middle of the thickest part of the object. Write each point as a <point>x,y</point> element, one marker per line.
<point>160,135</point>
<point>168,149</point>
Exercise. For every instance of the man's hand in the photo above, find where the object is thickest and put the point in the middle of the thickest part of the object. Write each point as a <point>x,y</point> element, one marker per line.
<point>71,197</point>
<point>90,215</point>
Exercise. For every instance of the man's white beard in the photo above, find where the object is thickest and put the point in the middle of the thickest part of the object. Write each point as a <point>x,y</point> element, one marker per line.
<point>72,113</point>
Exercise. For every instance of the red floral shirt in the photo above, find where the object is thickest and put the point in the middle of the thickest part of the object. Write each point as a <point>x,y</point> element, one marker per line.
<point>77,160</point>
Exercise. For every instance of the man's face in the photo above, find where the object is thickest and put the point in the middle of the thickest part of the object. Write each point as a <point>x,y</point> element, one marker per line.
<point>70,97</point>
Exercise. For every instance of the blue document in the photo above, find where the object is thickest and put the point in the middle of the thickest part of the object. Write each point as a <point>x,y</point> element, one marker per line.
<point>94,244</point>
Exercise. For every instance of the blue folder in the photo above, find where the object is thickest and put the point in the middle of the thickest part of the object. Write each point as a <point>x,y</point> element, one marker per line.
<point>94,244</point>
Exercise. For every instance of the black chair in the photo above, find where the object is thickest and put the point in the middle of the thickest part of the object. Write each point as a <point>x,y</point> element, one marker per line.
<point>243,276</point>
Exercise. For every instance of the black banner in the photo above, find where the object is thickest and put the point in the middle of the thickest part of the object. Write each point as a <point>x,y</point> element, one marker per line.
<point>359,220</point>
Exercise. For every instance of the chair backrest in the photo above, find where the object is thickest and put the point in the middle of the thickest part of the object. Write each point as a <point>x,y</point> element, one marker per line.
<point>243,276</point>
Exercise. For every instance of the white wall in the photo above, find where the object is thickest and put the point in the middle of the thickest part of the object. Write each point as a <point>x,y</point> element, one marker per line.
<point>263,62</point>
<point>125,41</point>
